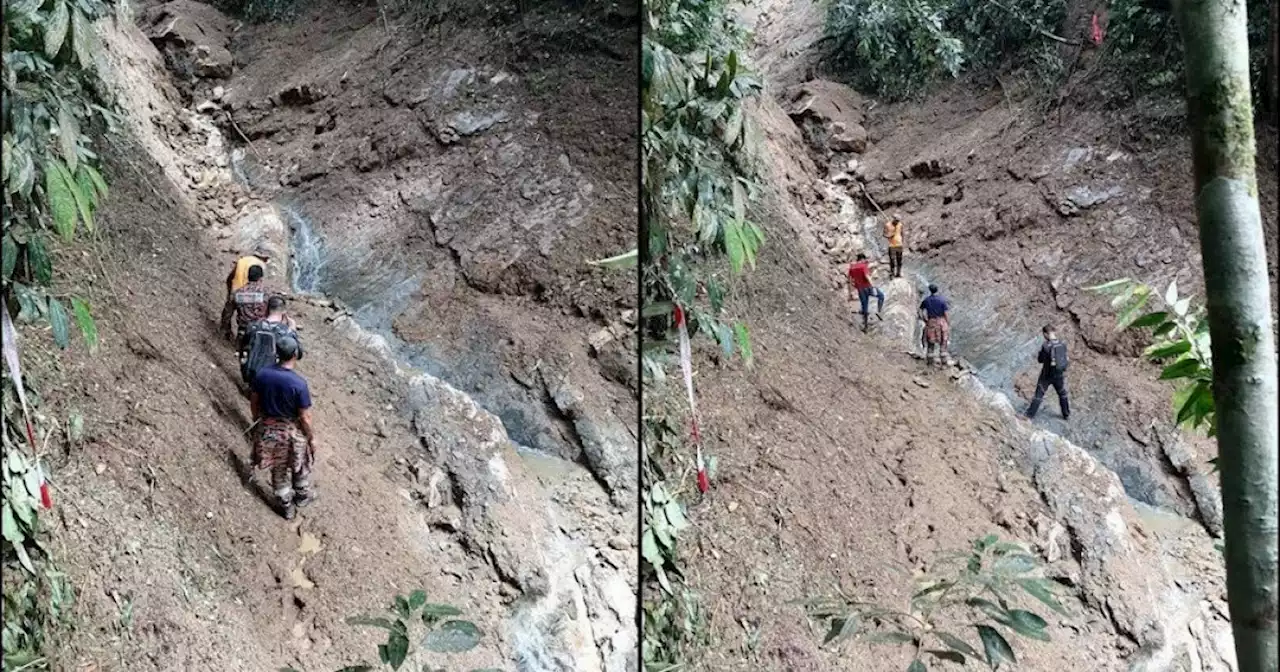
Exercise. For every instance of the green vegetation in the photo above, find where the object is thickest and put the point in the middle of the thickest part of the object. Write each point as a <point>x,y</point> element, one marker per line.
<point>977,589</point>
<point>673,617</point>
<point>899,48</point>
<point>1180,340</point>
<point>699,179</point>
<point>699,170</point>
<point>53,108</point>
<point>409,616</point>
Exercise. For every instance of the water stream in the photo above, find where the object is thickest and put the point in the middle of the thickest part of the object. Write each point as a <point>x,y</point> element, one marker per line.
<point>1000,340</point>
<point>379,286</point>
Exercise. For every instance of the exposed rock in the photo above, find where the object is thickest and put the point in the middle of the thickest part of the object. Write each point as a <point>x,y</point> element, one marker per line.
<point>830,115</point>
<point>1082,198</point>
<point>609,449</point>
<point>193,37</point>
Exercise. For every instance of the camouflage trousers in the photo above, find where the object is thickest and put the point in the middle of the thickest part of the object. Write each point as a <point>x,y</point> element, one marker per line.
<point>279,445</point>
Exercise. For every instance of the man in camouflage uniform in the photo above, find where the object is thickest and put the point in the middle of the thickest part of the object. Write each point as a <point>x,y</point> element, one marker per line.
<point>247,304</point>
<point>284,440</point>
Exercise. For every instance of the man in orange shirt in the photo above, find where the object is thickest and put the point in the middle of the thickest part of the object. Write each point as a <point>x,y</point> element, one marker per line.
<point>239,276</point>
<point>893,233</point>
<point>860,281</point>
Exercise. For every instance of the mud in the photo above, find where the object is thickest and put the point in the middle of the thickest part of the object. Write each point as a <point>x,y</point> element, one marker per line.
<point>179,560</point>
<point>879,465</point>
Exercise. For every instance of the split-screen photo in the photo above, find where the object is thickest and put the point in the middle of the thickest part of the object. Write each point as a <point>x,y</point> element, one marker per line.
<point>639,336</point>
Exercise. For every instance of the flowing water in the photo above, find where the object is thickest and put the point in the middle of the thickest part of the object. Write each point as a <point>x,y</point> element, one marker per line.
<point>1000,340</point>
<point>377,288</point>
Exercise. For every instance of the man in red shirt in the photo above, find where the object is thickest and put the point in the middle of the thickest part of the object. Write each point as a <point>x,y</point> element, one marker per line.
<point>860,281</point>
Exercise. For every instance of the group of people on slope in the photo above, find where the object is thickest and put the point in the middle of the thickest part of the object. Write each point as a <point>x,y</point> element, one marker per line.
<point>935,311</point>
<point>268,350</point>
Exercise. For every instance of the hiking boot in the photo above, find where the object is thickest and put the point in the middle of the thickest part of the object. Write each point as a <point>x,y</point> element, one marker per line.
<point>289,511</point>
<point>306,501</point>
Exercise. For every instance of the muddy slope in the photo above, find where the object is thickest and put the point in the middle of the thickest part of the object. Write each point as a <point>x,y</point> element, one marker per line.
<point>845,462</point>
<point>179,561</point>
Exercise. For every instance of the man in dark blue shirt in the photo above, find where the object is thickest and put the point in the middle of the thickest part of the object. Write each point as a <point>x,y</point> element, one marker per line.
<point>936,313</point>
<point>285,441</point>
<point>1053,373</point>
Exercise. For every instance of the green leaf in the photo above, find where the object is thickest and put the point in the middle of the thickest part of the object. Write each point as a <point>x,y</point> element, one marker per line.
<point>432,612</point>
<point>619,262</point>
<point>55,29</point>
<point>841,628</point>
<point>25,560</point>
<point>38,260</point>
<point>744,343</point>
<point>949,656</point>
<point>937,587</point>
<point>453,637</point>
<point>397,649</point>
<point>401,606</point>
<point>98,182</point>
<point>86,187</point>
<point>10,250</point>
<point>1195,400</point>
<point>9,526</point>
<point>357,668</point>
<point>1183,368</point>
<point>68,135</point>
<point>62,199</point>
<point>733,245</point>
<point>88,329</point>
<point>60,321</point>
<point>997,649</point>
<point>1027,624</point>
<point>1180,347</point>
<point>986,606</point>
<point>417,598</point>
<point>956,643</point>
<point>1014,563</point>
<point>1036,588</point>
<point>1149,320</point>
<point>83,205</point>
<point>376,622</point>
<point>82,39</point>
<point>917,666</point>
<point>890,637</point>
<point>675,515</point>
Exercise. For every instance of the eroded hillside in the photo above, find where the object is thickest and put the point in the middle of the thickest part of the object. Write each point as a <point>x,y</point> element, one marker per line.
<point>845,465</point>
<point>473,395</point>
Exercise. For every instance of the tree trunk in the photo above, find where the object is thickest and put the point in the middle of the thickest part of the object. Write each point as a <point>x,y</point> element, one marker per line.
<point>1273,62</point>
<point>1232,244</point>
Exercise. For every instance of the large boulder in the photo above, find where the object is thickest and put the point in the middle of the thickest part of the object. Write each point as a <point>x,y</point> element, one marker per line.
<point>193,37</point>
<point>830,116</point>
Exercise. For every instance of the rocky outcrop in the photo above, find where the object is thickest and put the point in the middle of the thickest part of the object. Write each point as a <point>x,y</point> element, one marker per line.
<point>571,561</point>
<point>1138,578</point>
<point>830,115</point>
<point>193,37</point>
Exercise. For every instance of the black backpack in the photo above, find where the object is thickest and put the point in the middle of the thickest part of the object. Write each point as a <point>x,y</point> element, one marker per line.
<point>1057,356</point>
<point>260,346</point>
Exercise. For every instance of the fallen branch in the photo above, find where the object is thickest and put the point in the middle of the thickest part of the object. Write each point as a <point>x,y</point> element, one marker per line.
<point>863,187</point>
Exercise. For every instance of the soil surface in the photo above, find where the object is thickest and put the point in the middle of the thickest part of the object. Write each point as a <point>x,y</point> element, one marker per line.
<point>845,462</point>
<point>177,556</point>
